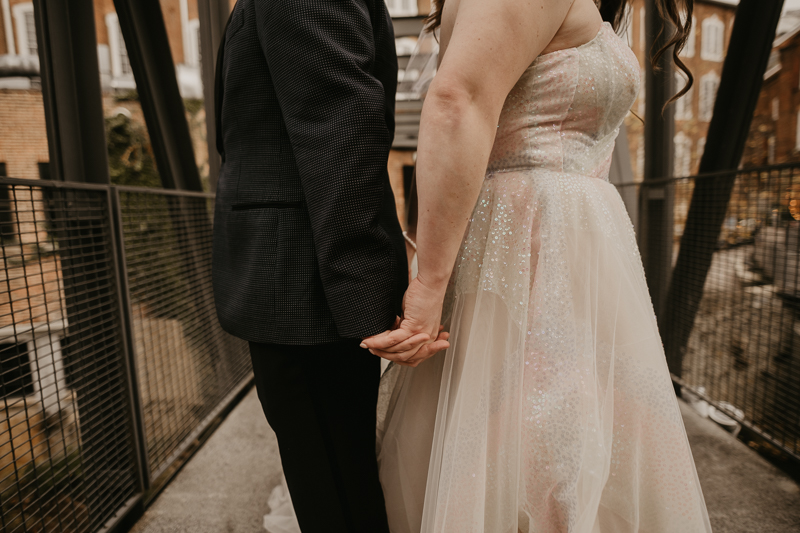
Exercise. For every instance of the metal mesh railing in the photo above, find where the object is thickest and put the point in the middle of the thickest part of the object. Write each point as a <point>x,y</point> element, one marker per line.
<point>112,362</point>
<point>186,364</point>
<point>743,348</point>
<point>67,459</point>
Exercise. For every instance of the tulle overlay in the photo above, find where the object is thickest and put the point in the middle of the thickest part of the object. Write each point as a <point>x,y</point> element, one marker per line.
<point>553,409</point>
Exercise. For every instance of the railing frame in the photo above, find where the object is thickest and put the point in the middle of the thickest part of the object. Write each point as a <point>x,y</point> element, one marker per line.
<point>149,482</point>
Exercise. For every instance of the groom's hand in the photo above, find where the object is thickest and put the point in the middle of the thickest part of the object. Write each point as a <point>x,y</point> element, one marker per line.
<point>419,334</point>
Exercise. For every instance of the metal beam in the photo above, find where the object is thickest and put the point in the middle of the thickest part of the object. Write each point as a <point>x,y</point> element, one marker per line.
<point>742,77</point>
<point>655,235</point>
<point>71,91</point>
<point>142,26</point>
<point>213,17</point>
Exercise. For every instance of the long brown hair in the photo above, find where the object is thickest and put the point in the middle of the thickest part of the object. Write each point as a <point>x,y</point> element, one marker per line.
<point>678,12</point>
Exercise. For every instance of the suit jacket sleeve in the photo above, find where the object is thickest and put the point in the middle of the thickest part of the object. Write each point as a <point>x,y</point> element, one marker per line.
<point>319,53</point>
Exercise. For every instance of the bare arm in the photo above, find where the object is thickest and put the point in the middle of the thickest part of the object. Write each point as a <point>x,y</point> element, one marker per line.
<point>491,45</point>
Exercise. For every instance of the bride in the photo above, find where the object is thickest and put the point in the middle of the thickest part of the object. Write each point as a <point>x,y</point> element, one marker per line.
<point>551,407</point>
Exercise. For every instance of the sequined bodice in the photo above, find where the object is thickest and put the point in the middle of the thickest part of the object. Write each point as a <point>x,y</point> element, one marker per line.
<point>565,111</point>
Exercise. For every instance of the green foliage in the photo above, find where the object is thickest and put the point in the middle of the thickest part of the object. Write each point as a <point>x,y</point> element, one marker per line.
<point>130,156</point>
<point>193,105</point>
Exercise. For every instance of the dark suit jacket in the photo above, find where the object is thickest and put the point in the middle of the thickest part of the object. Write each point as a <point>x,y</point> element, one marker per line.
<point>307,245</point>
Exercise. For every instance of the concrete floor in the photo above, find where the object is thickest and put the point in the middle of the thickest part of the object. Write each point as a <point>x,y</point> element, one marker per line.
<point>225,486</point>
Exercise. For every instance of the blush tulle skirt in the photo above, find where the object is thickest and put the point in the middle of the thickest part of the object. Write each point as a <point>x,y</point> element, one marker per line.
<point>553,408</point>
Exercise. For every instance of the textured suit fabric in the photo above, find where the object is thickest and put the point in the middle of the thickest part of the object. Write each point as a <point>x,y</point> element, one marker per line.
<point>307,245</point>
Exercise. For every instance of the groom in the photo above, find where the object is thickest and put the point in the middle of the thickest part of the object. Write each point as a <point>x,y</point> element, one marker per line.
<point>309,257</point>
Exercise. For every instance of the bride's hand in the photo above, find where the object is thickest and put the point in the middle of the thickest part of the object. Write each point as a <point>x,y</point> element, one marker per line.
<point>419,334</point>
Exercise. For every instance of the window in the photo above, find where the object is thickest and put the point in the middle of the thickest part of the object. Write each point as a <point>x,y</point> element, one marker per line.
<point>771,142</point>
<point>405,45</point>
<point>709,84</point>
<point>642,109</point>
<point>640,160</point>
<point>689,47</point>
<point>642,29</point>
<point>713,36</point>
<point>625,30</point>
<point>7,229</point>
<point>26,29</point>
<point>683,155</point>
<point>776,109</point>
<point>193,55</point>
<point>15,370</point>
<point>701,148</point>
<point>402,8</point>
<point>120,64</point>
<point>683,106</point>
<point>797,133</point>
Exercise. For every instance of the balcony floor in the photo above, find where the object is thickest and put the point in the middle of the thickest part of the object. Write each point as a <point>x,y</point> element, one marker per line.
<point>225,486</point>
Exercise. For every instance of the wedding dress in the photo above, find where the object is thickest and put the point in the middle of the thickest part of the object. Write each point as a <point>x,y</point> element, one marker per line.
<point>553,409</point>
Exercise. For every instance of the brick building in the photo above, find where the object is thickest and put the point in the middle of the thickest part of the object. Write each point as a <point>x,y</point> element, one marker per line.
<point>775,132</point>
<point>704,54</point>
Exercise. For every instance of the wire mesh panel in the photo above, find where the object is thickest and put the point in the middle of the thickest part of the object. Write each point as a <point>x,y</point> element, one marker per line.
<point>67,459</point>
<point>186,363</point>
<point>743,352</point>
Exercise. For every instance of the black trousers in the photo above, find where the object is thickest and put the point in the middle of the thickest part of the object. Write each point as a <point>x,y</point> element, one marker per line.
<point>320,401</point>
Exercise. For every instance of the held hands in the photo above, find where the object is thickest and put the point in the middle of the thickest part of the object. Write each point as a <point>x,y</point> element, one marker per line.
<point>418,335</point>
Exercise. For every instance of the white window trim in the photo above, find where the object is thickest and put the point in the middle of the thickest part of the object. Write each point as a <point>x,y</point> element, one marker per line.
<point>776,108</point>
<point>683,155</point>
<point>192,58</point>
<point>45,357</point>
<point>713,39</point>
<point>402,8</point>
<point>771,149</point>
<point>797,133</point>
<point>642,28</point>
<point>625,31</point>
<point>115,41</point>
<point>683,106</point>
<point>11,46</point>
<point>690,48</point>
<point>23,39</point>
<point>706,102</point>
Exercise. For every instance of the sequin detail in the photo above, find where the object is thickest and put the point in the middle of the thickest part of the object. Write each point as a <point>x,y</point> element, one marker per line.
<point>555,408</point>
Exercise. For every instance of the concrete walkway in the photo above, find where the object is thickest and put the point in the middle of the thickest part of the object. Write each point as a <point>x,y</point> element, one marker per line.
<point>225,486</point>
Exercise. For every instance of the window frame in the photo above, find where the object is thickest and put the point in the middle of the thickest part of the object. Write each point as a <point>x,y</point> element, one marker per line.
<point>706,102</point>
<point>402,8</point>
<point>20,13</point>
<point>116,45</point>
<point>797,133</point>
<point>194,57</point>
<point>684,109</point>
<point>712,45</point>
<point>682,160</point>
<point>690,48</point>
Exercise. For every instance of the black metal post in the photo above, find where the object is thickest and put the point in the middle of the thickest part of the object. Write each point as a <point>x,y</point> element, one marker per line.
<point>656,201</point>
<point>142,26</point>
<point>213,16</point>
<point>740,85</point>
<point>71,91</point>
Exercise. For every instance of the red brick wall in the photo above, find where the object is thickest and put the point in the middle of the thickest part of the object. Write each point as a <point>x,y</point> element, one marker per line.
<point>23,142</point>
<point>784,86</point>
